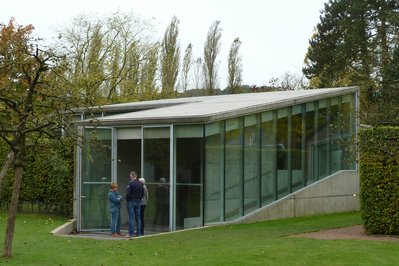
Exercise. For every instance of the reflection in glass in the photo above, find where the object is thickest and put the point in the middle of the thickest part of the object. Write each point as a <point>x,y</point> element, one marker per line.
<point>234,169</point>
<point>297,148</point>
<point>96,178</point>
<point>283,174</point>
<point>128,159</point>
<point>251,163</point>
<point>156,171</point>
<point>268,155</point>
<point>323,139</point>
<point>188,150</point>
<point>214,172</point>
<point>310,140</point>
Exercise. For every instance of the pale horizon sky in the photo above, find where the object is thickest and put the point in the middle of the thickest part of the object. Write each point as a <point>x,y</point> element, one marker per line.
<point>274,34</point>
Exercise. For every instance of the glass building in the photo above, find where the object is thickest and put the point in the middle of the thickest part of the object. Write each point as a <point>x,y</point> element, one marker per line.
<point>212,159</point>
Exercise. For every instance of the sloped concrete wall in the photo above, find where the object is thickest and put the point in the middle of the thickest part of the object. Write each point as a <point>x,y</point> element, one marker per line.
<point>336,193</point>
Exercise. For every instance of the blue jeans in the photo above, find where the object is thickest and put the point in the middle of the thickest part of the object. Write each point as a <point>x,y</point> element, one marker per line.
<point>133,209</point>
<point>115,220</point>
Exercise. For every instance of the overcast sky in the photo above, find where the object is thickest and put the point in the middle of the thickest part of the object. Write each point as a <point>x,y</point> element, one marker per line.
<point>274,34</point>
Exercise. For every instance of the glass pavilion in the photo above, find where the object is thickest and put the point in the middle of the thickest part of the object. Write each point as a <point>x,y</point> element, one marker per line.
<point>216,158</point>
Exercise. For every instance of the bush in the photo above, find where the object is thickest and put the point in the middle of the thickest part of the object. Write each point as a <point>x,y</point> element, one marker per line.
<point>47,184</point>
<point>379,179</point>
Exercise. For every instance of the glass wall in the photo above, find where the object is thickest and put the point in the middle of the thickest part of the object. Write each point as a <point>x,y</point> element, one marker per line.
<point>156,171</point>
<point>233,189</point>
<point>311,137</point>
<point>348,131</point>
<point>297,147</point>
<point>335,135</point>
<point>95,178</point>
<point>188,143</point>
<point>214,173</point>
<point>251,163</point>
<point>323,127</point>
<point>254,160</point>
<point>283,173</point>
<point>268,157</point>
<point>128,154</point>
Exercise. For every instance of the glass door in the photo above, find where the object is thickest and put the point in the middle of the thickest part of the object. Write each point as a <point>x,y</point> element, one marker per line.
<point>95,178</point>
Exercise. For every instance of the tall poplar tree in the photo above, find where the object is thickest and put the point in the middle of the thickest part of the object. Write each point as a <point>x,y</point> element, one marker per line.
<point>211,51</point>
<point>234,67</point>
<point>170,59</point>
<point>187,63</point>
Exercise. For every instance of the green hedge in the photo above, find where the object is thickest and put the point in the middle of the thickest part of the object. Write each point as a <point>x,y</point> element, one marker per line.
<point>379,179</point>
<point>47,184</point>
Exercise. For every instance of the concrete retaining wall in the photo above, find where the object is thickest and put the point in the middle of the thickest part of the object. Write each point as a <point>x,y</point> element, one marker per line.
<point>337,193</point>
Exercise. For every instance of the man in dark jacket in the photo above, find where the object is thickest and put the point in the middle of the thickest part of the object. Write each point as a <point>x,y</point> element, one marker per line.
<point>134,195</point>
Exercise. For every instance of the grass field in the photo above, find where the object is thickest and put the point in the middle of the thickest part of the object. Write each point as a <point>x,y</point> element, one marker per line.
<point>261,243</point>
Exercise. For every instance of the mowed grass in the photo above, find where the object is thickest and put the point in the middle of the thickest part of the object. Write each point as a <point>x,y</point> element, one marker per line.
<point>260,243</point>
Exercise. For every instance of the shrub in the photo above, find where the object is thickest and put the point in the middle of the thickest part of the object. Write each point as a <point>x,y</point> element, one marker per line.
<point>47,184</point>
<point>379,179</point>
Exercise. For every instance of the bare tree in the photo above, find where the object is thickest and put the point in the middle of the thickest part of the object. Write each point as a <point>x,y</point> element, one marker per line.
<point>170,59</point>
<point>148,89</point>
<point>211,51</point>
<point>234,78</point>
<point>289,81</point>
<point>187,63</point>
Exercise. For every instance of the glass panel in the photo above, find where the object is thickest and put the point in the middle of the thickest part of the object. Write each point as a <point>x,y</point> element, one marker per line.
<point>268,168</point>
<point>323,139</point>
<point>128,159</point>
<point>335,133</point>
<point>234,170</point>
<point>214,172</point>
<point>188,141</point>
<point>310,139</point>
<point>297,148</point>
<point>251,163</point>
<point>348,131</point>
<point>96,178</point>
<point>156,161</point>
<point>283,183</point>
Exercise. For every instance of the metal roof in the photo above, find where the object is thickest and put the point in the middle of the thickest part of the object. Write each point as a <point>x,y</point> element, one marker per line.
<point>207,108</point>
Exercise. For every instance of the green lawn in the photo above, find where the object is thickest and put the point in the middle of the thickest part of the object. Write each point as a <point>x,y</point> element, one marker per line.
<point>262,243</point>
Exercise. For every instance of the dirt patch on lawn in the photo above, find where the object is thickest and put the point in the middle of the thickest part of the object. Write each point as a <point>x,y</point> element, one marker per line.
<point>350,232</point>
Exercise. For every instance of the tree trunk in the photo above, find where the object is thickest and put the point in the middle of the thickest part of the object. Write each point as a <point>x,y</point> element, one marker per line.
<point>13,212</point>
<point>6,166</point>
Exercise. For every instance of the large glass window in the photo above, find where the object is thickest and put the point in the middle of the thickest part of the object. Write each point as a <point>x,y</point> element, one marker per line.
<point>268,157</point>
<point>283,174</point>
<point>188,155</point>
<point>323,138</point>
<point>348,131</point>
<point>234,169</point>
<point>214,173</point>
<point>156,171</point>
<point>128,159</point>
<point>251,163</point>
<point>297,148</point>
<point>96,178</point>
<point>335,133</point>
<point>310,140</point>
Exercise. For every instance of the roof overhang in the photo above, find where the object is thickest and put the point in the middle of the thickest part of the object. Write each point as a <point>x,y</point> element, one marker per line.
<point>206,109</point>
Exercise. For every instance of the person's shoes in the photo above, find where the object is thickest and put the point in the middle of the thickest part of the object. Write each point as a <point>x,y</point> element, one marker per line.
<point>115,235</point>
<point>119,234</point>
<point>128,236</point>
